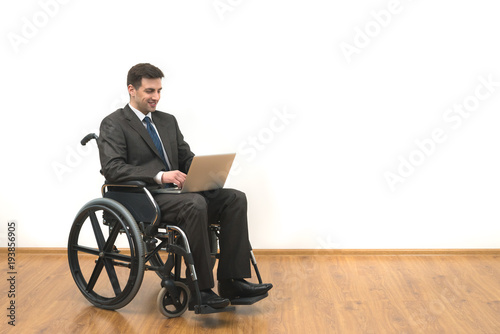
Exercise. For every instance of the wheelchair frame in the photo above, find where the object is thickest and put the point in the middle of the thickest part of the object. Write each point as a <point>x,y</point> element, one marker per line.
<point>130,218</point>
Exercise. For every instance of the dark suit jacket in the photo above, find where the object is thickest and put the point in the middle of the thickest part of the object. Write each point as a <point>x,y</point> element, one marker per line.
<point>128,153</point>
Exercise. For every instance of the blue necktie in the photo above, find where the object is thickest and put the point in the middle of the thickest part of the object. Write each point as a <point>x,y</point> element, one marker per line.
<point>156,139</point>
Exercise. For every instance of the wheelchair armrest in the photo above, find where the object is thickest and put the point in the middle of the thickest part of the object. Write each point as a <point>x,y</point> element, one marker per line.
<point>127,186</point>
<point>138,184</point>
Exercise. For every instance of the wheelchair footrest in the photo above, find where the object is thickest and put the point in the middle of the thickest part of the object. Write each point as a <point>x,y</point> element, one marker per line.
<point>248,300</point>
<point>205,309</point>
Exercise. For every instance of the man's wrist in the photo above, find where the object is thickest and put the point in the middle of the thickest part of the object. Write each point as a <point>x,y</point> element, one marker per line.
<point>158,178</point>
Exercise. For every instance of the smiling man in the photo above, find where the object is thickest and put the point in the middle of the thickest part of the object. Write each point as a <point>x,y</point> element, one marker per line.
<point>141,143</point>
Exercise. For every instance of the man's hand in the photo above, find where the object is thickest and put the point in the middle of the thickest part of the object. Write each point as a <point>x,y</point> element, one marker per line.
<point>174,176</point>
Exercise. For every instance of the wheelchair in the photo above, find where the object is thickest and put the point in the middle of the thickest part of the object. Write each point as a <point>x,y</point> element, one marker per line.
<point>116,238</point>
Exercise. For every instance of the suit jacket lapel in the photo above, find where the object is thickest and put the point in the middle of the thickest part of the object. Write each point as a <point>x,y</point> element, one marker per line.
<point>137,125</point>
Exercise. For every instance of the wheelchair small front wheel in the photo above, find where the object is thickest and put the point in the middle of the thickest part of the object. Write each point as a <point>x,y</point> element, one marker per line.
<point>174,305</point>
<point>106,253</point>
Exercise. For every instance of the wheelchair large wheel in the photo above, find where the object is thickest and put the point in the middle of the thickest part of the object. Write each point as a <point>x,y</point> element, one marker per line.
<point>105,236</point>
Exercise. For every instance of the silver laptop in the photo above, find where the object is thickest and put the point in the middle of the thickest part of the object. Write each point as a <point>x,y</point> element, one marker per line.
<point>207,172</point>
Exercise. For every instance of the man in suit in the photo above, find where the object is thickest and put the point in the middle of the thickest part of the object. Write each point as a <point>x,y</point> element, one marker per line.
<point>138,142</point>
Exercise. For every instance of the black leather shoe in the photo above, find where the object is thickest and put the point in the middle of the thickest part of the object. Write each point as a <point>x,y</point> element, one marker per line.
<point>239,288</point>
<point>209,298</point>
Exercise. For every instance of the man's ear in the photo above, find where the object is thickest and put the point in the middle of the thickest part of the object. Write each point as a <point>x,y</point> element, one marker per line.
<point>131,90</point>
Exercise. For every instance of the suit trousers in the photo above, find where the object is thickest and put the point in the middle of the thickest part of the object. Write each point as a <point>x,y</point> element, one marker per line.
<point>194,212</point>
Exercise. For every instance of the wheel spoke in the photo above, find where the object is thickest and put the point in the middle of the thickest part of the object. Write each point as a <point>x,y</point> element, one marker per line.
<point>95,275</point>
<point>85,249</point>
<point>111,239</point>
<point>97,230</point>
<point>119,257</point>
<point>110,269</point>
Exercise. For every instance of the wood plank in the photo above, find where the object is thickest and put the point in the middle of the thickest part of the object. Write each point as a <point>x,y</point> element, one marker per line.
<point>342,293</point>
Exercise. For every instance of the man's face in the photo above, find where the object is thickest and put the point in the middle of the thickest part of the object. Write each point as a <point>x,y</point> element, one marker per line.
<point>146,97</point>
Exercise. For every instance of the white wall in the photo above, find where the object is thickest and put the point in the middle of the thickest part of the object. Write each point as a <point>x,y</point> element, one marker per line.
<point>323,100</point>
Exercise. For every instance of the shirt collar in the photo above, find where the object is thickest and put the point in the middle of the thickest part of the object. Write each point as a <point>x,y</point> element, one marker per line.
<point>139,114</point>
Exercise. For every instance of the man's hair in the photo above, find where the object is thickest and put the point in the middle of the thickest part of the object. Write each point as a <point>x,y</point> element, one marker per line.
<point>143,70</point>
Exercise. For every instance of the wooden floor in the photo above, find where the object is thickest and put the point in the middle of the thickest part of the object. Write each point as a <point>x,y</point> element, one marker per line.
<point>312,294</point>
